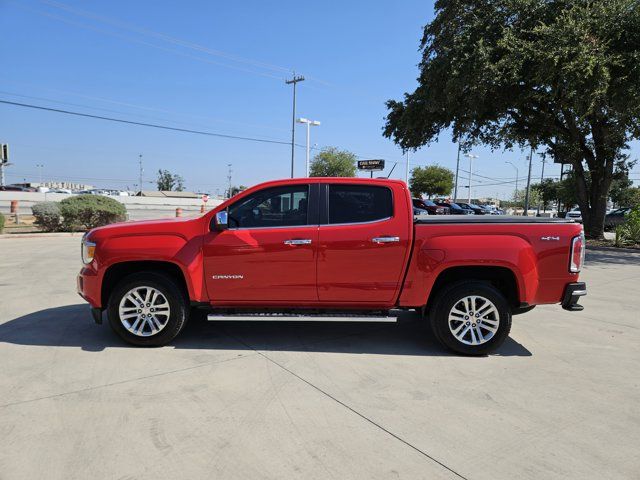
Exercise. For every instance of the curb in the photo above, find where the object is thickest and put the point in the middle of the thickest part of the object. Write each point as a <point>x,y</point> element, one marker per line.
<point>6,236</point>
<point>613,249</point>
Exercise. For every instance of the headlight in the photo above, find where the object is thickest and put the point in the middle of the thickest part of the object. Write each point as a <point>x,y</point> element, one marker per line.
<point>88,251</point>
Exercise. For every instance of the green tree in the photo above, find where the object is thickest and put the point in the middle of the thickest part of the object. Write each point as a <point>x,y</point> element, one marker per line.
<point>547,192</point>
<point>520,195</point>
<point>560,75</point>
<point>432,180</point>
<point>168,181</point>
<point>622,192</point>
<point>331,162</point>
<point>236,190</point>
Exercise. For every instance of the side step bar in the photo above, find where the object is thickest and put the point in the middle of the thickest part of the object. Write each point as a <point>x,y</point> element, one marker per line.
<point>277,317</point>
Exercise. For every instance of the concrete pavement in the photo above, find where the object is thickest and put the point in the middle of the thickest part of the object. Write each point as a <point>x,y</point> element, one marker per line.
<point>271,400</point>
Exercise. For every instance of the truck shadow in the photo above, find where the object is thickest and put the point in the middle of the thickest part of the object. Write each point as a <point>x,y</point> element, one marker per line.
<point>72,326</point>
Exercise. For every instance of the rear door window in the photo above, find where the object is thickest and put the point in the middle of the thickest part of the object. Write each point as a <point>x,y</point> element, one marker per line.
<point>359,203</point>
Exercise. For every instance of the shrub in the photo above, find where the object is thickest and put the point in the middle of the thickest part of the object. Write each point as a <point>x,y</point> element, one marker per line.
<point>1,222</point>
<point>90,211</point>
<point>48,216</point>
<point>629,232</point>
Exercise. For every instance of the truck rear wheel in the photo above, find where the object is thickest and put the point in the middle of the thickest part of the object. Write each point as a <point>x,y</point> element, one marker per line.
<point>147,309</point>
<point>471,318</point>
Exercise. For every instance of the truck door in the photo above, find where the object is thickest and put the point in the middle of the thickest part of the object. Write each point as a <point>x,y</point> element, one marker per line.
<point>268,253</point>
<point>363,243</point>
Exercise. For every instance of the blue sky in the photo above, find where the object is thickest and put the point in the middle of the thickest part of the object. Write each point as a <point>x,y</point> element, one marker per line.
<point>219,67</point>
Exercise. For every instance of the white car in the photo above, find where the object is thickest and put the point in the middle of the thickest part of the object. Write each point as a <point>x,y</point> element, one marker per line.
<point>575,214</point>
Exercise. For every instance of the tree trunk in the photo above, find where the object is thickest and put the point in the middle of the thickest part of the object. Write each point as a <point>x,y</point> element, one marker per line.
<point>593,201</point>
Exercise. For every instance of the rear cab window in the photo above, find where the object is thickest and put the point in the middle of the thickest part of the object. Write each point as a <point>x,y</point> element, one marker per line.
<point>358,203</point>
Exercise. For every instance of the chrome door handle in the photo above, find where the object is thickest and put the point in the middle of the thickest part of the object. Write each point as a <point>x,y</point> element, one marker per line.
<point>385,239</point>
<point>298,241</point>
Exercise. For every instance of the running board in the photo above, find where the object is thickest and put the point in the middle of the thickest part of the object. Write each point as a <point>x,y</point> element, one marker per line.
<point>275,317</point>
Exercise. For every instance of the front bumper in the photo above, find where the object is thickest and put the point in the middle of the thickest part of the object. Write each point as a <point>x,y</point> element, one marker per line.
<point>572,294</point>
<point>88,286</point>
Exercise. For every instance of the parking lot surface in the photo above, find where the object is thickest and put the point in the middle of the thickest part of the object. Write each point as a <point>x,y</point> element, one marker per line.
<point>561,398</point>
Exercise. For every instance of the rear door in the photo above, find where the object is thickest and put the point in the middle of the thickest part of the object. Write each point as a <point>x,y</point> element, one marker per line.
<point>363,243</point>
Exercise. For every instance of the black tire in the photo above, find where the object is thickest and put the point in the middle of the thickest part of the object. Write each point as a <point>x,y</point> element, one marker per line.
<point>452,295</point>
<point>178,304</point>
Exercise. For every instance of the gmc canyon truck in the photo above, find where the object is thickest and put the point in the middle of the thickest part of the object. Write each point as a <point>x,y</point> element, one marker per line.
<point>331,249</point>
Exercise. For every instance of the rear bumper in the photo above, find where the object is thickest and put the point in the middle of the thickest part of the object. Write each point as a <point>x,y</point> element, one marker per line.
<point>572,294</point>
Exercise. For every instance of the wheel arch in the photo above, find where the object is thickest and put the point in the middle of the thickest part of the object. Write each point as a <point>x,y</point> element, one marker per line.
<point>502,278</point>
<point>117,271</point>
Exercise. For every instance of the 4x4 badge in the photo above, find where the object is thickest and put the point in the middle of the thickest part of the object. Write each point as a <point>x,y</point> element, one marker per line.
<point>550,239</point>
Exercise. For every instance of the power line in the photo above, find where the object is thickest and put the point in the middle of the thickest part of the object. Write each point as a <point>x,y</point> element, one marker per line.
<point>163,36</point>
<point>143,124</point>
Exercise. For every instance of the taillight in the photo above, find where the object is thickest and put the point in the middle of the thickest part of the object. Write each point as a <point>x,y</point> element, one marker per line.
<point>577,253</point>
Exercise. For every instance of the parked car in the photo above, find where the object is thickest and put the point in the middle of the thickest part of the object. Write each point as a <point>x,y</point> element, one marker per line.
<point>16,188</point>
<point>575,215</point>
<point>419,211</point>
<point>492,210</point>
<point>615,218</point>
<point>430,207</point>
<point>454,208</point>
<point>315,249</point>
<point>475,209</point>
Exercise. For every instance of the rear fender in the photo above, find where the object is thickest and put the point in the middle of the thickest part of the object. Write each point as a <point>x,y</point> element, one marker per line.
<point>435,255</point>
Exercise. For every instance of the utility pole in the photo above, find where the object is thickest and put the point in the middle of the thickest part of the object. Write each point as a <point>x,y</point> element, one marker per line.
<point>541,179</point>
<point>141,170</point>
<point>455,190</point>
<point>515,195</point>
<point>526,196</point>
<point>229,180</point>
<point>293,81</point>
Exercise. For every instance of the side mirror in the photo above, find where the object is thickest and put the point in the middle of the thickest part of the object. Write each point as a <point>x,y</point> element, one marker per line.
<point>221,220</point>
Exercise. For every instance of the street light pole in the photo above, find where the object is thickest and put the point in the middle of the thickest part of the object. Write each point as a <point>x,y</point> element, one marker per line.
<point>455,190</point>
<point>141,170</point>
<point>40,167</point>
<point>293,82</point>
<point>406,180</point>
<point>309,123</point>
<point>471,157</point>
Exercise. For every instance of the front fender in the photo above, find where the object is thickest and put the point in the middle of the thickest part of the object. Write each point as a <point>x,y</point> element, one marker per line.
<point>171,248</point>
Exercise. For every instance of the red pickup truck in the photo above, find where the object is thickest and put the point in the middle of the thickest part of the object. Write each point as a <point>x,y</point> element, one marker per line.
<point>332,249</point>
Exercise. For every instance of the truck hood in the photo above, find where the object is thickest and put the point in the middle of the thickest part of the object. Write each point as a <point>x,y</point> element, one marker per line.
<point>145,227</point>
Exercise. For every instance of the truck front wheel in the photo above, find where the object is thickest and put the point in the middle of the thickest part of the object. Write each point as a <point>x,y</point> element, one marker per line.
<point>471,318</point>
<point>147,309</point>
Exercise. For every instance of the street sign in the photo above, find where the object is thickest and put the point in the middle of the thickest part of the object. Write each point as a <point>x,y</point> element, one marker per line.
<point>371,165</point>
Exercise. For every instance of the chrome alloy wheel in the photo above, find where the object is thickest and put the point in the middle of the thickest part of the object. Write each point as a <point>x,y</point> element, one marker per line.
<point>474,320</point>
<point>144,311</point>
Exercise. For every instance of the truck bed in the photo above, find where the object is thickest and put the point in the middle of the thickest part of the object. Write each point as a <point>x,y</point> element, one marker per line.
<point>439,219</point>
